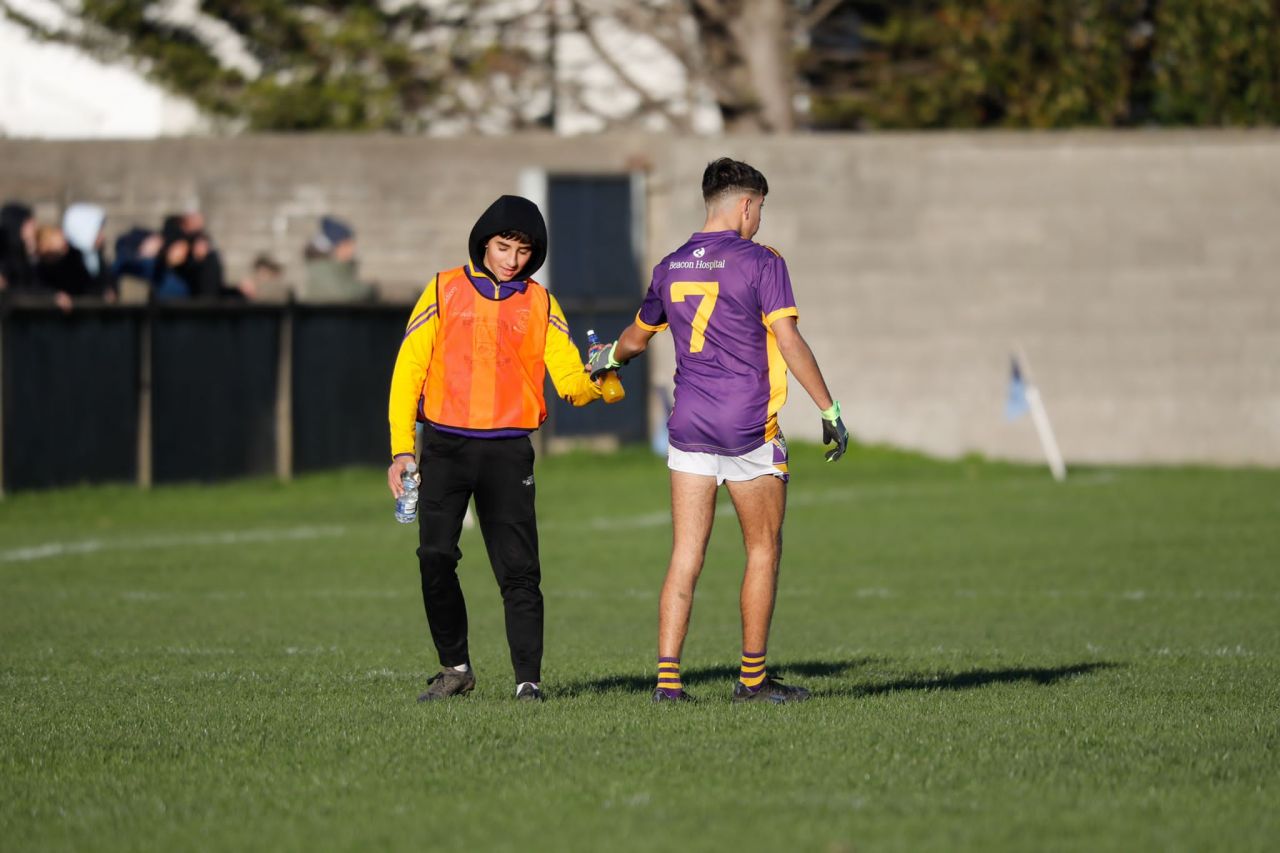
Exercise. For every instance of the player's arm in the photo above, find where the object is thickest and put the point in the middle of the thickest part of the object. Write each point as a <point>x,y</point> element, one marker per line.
<point>803,365</point>
<point>632,342</point>
<point>564,361</point>
<point>407,381</point>
<point>650,319</point>
<point>778,304</point>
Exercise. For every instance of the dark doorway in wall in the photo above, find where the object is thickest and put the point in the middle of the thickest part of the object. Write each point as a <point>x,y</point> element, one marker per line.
<point>595,275</point>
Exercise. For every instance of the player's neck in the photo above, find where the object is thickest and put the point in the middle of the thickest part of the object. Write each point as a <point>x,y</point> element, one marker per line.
<point>717,224</point>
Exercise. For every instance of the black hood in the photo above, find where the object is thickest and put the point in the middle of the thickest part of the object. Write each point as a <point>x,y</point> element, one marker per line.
<point>171,229</point>
<point>15,263</point>
<point>510,213</point>
<point>13,214</point>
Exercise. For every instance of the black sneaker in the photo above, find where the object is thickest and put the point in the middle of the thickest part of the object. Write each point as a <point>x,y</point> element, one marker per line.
<point>770,690</point>
<point>529,692</point>
<point>446,683</point>
<point>660,696</point>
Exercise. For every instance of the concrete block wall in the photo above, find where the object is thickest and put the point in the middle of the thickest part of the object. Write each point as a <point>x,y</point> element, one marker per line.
<point>412,201</point>
<point>1138,271</point>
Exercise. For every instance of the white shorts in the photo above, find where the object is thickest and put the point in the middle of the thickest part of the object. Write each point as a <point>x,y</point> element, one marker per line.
<point>769,458</point>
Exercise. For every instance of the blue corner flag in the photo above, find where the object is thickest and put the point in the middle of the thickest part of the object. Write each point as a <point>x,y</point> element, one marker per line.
<point>1015,404</point>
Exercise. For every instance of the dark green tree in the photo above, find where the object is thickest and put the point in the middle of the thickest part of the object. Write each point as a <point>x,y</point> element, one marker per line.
<point>1216,62</point>
<point>1045,64</point>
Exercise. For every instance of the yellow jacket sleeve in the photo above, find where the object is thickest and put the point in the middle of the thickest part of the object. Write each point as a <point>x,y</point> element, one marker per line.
<point>564,363</point>
<point>411,371</point>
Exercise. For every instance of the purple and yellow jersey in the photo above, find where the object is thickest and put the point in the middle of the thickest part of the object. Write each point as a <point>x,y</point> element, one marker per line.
<point>719,293</point>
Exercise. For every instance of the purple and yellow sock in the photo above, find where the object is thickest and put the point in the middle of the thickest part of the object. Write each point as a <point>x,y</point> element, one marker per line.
<point>669,676</point>
<point>752,675</point>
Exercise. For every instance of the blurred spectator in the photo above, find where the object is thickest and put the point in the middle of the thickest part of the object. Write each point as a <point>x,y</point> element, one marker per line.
<point>331,265</point>
<point>202,268</point>
<point>265,274</point>
<point>130,246</point>
<point>17,247</point>
<point>131,268</point>
<point>156,258</point>
<point>174,275</point>
<point>51,251</point>
<point>73,264</point>
<point>50,245</point>
<point>82,225</point>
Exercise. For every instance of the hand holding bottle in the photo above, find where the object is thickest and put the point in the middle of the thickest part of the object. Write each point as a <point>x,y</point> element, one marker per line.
<point>603,367</point>
<point>403,480</point>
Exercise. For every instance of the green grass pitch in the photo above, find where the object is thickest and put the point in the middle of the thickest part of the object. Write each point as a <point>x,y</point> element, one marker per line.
<point>999,662</point>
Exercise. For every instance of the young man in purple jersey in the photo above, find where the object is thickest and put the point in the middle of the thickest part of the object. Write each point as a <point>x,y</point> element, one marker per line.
<point>732,315</point>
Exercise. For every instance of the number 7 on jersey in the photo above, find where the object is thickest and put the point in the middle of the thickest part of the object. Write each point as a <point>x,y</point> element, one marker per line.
<point>709,291</point>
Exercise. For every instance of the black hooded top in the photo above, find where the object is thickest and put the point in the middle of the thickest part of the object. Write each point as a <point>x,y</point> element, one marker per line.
<point>16,265</point>
<point>510,213</point>
<point>203,277</point>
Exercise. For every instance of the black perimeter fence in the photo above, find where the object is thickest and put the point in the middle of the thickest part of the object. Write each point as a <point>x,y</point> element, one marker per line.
<point>163,394</point>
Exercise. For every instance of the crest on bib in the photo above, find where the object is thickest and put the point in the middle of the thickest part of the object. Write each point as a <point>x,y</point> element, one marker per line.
<point>521,322</point>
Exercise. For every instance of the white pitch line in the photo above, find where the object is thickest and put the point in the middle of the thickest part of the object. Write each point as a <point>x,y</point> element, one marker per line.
<point>807,498</point>
<point>648,519</point>
<point>621,522</point>
<point>230,537</point>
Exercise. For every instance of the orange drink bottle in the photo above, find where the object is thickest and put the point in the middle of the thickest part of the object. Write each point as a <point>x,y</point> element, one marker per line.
<point>610,385</point>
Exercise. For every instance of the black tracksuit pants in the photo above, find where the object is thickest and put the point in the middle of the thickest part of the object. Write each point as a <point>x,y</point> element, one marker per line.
<point>499,472</point>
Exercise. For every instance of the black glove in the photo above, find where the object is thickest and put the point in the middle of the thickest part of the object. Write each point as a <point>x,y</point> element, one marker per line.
<point>833,430</point>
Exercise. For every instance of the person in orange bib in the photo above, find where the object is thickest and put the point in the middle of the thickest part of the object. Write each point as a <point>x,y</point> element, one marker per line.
<point>478,345</point>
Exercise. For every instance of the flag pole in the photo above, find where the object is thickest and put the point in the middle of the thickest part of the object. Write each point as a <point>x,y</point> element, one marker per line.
<point>1040,417</point>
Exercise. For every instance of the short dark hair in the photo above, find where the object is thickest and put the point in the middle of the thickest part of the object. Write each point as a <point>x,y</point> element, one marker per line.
<point>724,176</point>
<point>267,263</point>
<point>515,236</point>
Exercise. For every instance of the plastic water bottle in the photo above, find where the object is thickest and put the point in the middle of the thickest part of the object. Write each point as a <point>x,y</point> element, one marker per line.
<point>610,385</point>
<point>407,503</point>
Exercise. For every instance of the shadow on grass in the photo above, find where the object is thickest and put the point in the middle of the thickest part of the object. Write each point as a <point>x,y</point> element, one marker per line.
<point>1042,675</point>
<point>798,671</point>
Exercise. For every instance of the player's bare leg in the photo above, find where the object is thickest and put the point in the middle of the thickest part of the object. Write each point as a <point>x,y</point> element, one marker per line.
<point>760,504</point>
<point>693,510</point>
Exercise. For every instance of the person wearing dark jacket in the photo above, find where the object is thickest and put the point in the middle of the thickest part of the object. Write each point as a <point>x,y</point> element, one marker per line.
<point>472,363</point>
<point>82,270</point>
<point>155,258</point>
<point>17,248</point>
<point>202,268</point>
<point>172,275</point>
